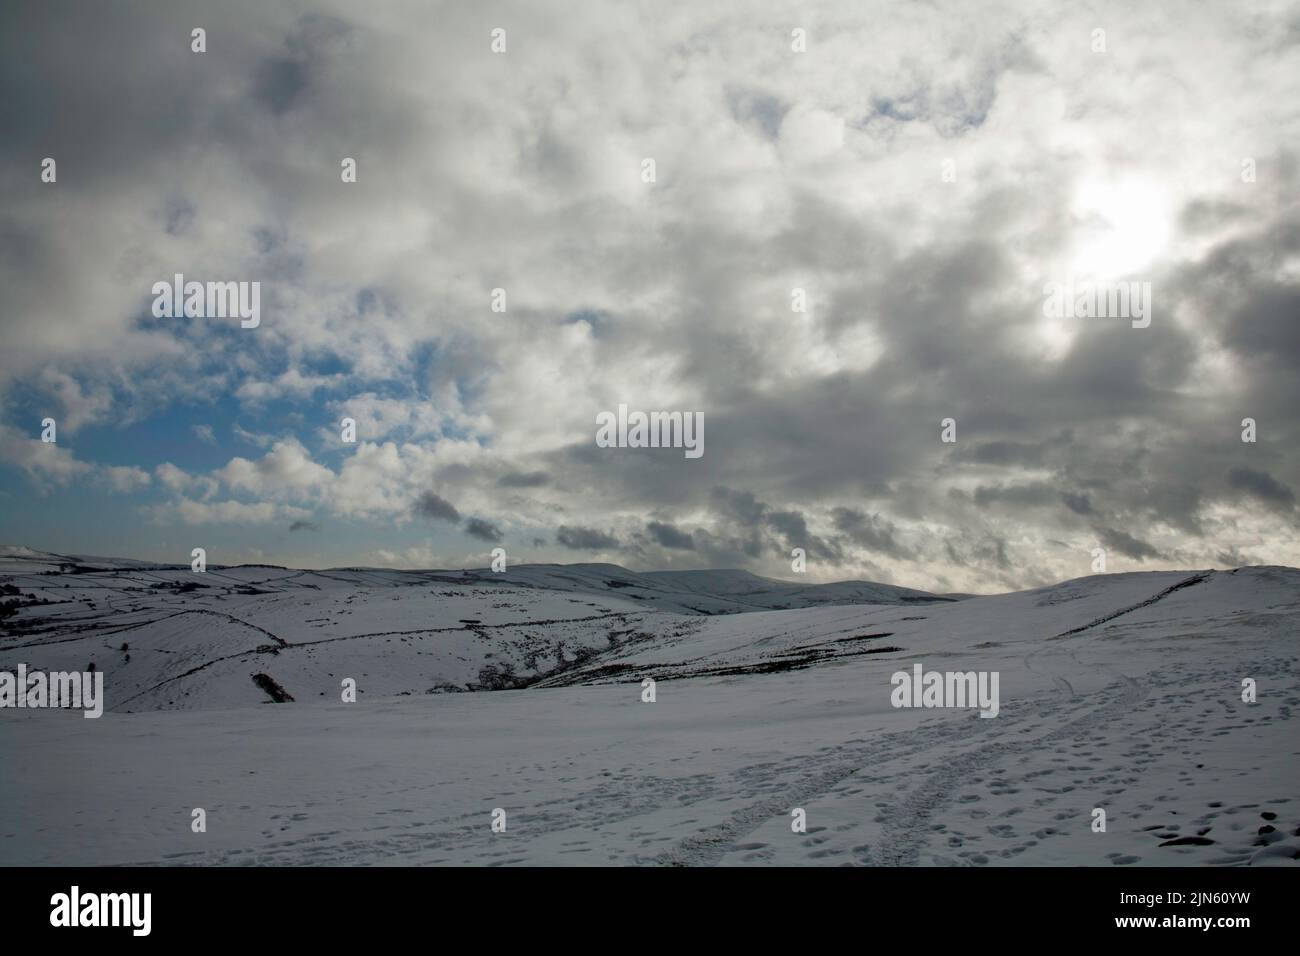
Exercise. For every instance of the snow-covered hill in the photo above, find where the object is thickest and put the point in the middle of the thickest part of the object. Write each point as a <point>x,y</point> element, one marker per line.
<point>1117,692</point>
<point>703,592</point>
<point>169,638</point>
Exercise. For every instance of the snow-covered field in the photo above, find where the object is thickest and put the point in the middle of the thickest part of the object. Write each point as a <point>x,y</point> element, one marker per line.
<point>1120,692</point>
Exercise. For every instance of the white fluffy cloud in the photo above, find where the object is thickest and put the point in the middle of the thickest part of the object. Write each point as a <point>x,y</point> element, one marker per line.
<point>286,471</point>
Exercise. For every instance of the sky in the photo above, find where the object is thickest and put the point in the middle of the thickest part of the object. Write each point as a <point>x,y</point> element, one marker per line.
<point>920,171</point>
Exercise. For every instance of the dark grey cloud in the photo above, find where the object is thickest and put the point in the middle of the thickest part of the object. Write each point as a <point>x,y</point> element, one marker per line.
<point>1126,544</point>
<point>791,525</point>
<point>739,506</point>
<point>670,537</point>
<point>1262,485</point>
<point>282,81</point>
<point>585,539</point>
<point>1005,453</point>
<point>1028,495</point>
<point>981,548</point>
<point>524,479</point>
<point>1266,324</point>
<point>1079,504</point>
<point>430,505</point>
<point>482,529</point>
<point>870,531</point>
<point>1201,216</point>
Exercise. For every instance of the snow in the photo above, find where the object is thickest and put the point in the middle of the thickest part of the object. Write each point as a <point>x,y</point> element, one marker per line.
<point>1120,692</point>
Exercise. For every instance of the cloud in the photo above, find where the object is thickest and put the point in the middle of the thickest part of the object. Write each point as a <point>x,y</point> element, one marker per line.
<point>585,539</point>
<point>125,479</point>
<point>1262,485</point>
<point>524,479</point>
<point>483,530</point>
<point>790,524</point>
<point>670,537</point>
<point>1126,544</point>
<point>1079,504</point>
<point>741,507</point>
<point>189,512</point>
<point>179,481</point>
<point>286,470</point>
<point>79,407</point>
<point>379,417</point>
<point>1027,495</point>
<point>870,531</point>
<point>430,505</point>
<point>808,134</point>
<point>45,464</point>
<point>292,382</point>
<point>252,438</point>
<point>773,174</point>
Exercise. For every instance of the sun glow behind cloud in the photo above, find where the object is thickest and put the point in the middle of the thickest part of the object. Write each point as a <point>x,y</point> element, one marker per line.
<point>1124,225</point>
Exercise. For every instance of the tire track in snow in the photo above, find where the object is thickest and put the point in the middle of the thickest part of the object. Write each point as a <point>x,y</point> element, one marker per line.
<point>904,837</point>
<point>710,845</point>
<point>902,844</point>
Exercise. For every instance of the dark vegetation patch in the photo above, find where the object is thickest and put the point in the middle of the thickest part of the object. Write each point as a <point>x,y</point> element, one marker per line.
<point>863,637</point>
<point>779,665</point>
<point>272,688</point>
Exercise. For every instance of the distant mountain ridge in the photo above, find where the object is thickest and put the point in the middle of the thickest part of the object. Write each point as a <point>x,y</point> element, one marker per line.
<point>706,591</point>
<point>721,591</point>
